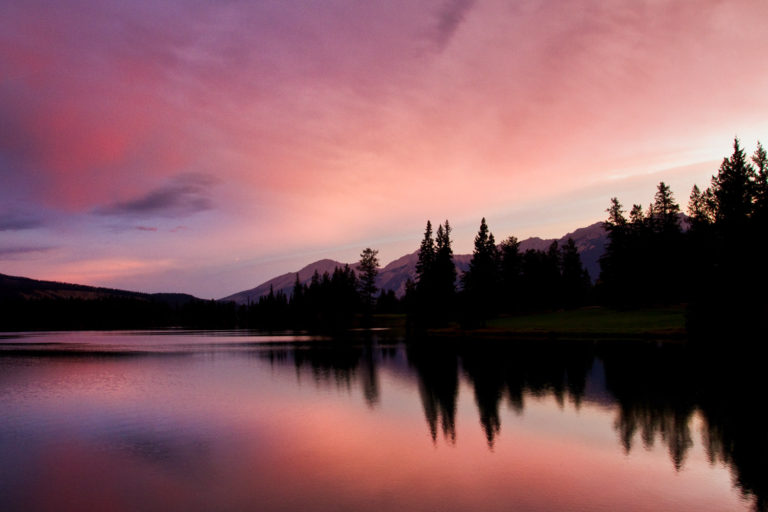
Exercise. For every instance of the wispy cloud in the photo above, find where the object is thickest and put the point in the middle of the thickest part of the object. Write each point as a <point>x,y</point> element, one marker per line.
<point>13,221</point>
<point>146,228</point>
<point>11,253</point>
<point>450,17</point>
<point>184,195</point>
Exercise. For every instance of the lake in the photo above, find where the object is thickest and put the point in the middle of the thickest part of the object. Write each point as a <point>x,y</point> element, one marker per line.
<point>236,421</point>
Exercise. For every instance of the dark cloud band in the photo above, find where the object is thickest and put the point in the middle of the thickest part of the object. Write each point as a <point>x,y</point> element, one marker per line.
<point>449,18</point>
<point>185,195</point>
<point>10,253</point>
<point>11,221</point>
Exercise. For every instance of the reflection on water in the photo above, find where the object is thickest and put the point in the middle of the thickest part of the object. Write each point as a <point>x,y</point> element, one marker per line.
<point>232,421</point>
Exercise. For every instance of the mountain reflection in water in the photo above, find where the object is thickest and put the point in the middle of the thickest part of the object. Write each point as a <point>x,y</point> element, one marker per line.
<point>239,422</point>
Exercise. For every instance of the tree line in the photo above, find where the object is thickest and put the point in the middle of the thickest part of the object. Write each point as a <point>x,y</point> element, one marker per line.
<point>712,260</point>
<point>715,266</point>
<point>500,279</point>
<point>328,302</point>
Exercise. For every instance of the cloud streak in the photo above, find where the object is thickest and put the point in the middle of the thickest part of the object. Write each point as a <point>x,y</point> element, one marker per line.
<point>13,221</point>
<point>12,253</point>
<point>183,196</point>
<point>449,18</point>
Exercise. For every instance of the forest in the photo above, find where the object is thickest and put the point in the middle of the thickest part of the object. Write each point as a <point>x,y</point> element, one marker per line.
<point>711,260</point>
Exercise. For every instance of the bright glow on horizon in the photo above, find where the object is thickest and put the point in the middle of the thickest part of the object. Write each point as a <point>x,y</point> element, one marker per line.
<point>216,146</point>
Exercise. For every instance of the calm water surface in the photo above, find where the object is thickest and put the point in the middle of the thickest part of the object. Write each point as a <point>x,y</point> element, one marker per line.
<point>233,421</point>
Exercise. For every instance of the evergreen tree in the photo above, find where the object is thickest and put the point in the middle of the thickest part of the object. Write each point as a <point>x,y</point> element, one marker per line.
<point>536,281</point>
<point>760,159</point>
<point>297,302</point>
<point>552,281</point>
<point>298,290</point>
<point>341,299</point>
<point>760,224</point>
<point>733,190</point>
<point>369,268</point>
<point>419,303</point>
<point>444,275</point>
<point>616,220</point>
<point>430,300</point>
<point>730,235</point>
<point>272,310</point>
<point>698,209</point>
<point>637,254</point>
<point>664,211</point>
<point>445,268</point>
<point>325,308</point>
<point>483,265</point>
<point>426,260</point>
<point>664,281</point>
<point>575,280</point>
<point>511,274</point>
<point>644,257</point>
<point>314,282</point>
<point>613,264</point>
<point>481,280</point>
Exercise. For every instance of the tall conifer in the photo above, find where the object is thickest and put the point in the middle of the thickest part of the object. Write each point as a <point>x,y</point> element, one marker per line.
<point>426,260</point>
<point>369,269</point>
<point>733,189</point>
<point>445,268</point>
<point>481,280</point>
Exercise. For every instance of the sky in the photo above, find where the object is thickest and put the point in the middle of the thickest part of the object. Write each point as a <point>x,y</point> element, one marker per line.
<point>205,146</point>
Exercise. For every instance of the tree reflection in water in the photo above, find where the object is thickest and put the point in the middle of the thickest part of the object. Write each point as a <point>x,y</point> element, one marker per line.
<point>438,376</point>
<point>656,389</point>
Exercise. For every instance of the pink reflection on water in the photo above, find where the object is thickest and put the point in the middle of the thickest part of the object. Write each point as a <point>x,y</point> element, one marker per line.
<point>224,431</point>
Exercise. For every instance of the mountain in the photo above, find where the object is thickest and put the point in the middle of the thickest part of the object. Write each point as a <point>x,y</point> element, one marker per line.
<point>590,242</point>
<point>284,282</point>
<point>12,287</point>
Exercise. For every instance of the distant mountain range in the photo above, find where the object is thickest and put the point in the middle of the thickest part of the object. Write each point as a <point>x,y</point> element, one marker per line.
<point>12,287</point>
<point>590,242</point>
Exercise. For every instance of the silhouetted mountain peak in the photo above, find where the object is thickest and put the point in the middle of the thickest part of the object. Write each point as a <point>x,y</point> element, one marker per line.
<point>590,241</point>
<point>284,283</point>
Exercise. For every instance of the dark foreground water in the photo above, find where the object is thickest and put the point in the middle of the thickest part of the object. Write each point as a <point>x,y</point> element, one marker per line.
<point>229,422</point>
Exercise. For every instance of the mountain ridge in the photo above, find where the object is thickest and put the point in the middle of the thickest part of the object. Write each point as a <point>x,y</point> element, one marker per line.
<point>16,287</point>
<point>590,242</point>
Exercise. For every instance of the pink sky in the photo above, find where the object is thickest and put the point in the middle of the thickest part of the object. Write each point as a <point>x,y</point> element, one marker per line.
<point>205,147</point>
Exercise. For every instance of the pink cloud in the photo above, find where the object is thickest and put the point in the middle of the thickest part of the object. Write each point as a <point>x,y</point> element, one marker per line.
<point>341,123</point>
